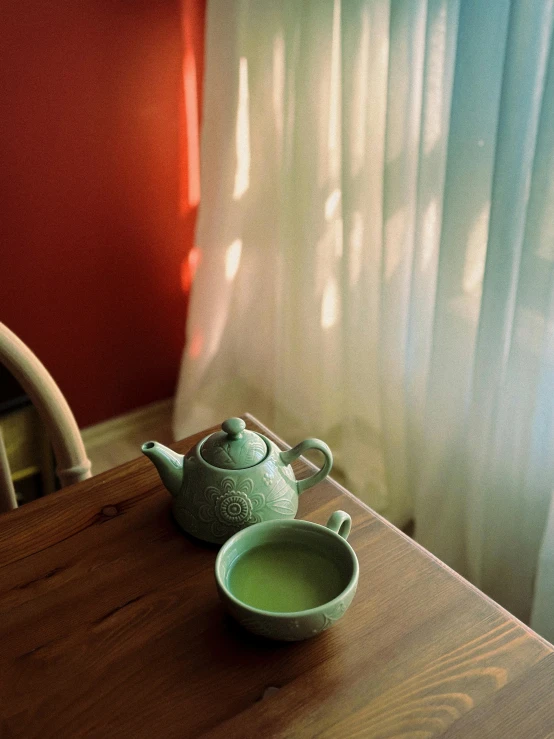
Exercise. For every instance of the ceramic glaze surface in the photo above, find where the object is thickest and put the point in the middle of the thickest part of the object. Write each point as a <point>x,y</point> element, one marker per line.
<point>288,580</point>
<point>234,448</point>
<point>232,479</point>
<point>293,628</point>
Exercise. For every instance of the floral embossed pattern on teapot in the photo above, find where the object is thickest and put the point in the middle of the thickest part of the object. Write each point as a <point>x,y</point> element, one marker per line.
<point>232,479</point>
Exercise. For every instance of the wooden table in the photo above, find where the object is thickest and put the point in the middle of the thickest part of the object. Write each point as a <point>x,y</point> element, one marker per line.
<point>110,626</point>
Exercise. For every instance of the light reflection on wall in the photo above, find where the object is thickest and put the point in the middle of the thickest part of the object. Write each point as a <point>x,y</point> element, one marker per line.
<point>189,267</point>
<point>190,197</point>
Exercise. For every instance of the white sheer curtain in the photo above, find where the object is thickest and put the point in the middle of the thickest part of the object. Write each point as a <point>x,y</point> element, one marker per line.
<point>375,255</point>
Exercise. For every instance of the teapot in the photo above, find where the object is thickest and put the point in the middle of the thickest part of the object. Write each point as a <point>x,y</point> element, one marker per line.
<point>233,478</point>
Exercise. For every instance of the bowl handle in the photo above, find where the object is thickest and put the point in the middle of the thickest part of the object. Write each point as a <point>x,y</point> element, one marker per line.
<point>291,454</point>
<point>341,523</point>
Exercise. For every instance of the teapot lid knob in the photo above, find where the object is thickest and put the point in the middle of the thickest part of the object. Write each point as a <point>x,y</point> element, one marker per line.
<point>233,427</point>
<point>234,448</point>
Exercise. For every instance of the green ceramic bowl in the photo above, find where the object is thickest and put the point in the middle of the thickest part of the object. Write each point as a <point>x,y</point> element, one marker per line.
<point>327,542</point>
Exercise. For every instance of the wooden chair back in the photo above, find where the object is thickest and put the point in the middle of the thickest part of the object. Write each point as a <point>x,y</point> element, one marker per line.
<point>72,464</point>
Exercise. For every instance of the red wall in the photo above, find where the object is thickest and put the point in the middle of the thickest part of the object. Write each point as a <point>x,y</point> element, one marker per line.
<point>95,218</point>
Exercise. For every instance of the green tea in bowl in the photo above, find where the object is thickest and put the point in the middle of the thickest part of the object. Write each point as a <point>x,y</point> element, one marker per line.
<point>288,580</point>
<point>284,576</point>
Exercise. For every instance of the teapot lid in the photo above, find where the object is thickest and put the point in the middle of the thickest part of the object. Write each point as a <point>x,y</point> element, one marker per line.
<point>234,448</point>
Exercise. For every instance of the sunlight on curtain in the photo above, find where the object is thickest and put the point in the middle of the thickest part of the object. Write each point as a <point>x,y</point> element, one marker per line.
<point>377,239</point>
<point>242,175</point>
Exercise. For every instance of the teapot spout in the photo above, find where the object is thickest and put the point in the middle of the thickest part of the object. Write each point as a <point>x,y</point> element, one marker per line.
<point>169,464</point>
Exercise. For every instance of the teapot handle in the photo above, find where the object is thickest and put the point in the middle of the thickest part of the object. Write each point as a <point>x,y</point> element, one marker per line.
<point>291,454</point>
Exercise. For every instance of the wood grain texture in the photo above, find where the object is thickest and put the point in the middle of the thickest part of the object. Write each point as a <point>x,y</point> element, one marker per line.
<point>110,626</point>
